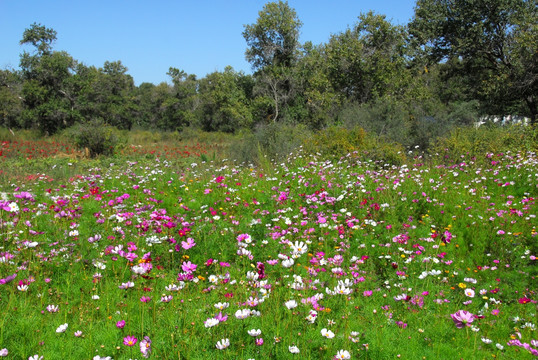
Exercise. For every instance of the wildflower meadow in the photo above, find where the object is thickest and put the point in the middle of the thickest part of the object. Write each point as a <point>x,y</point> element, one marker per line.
<point>305,258</point>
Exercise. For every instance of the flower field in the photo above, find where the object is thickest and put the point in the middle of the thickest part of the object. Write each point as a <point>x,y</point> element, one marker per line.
<point>304,259</point>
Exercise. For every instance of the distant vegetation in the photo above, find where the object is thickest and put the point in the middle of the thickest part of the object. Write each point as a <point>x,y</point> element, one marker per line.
<point>406,84</point>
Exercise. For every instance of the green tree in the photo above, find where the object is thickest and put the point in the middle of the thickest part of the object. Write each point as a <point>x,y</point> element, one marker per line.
<point>180,110</point>
<point>273,51</point>
<point>107,93</point>
<point>368,61</point>
<point>46,92</point>
<point>494,44</point>
<point>11,104</point>
<point>224,104</point>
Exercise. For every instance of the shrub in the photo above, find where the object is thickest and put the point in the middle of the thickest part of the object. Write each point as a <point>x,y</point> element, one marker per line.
<point>95,136</point>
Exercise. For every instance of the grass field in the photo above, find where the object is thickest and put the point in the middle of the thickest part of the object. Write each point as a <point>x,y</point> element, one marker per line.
<point>177,254</point>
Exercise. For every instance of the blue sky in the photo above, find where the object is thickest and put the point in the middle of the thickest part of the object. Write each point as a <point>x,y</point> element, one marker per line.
<point>198,37</point>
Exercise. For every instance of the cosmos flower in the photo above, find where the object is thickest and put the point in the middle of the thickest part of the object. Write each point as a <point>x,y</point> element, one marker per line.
<point>291,304</point>
<point>242,313</point>
<point>62,328</point>
<point>294,349</point>
<point>343,354</point>
<point>211,322</point>
<point>130,340</point>
<point>145,347</point>
<point>462,318</point>
<point>254,332</point>
<point>469,293</point>
<point>222,344</point>
<point>327,333</point>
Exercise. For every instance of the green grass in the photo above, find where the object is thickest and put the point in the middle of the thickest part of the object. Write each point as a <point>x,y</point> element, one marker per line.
<point>388,223</point>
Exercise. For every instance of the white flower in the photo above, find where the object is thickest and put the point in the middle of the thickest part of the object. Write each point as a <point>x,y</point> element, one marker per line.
<point>486,340</point>
<point>469,293</point>
<point>242,314</point>
<point>4,352</point>
<point>62,328</point>
<point>499,346</point>
<point>342,290</point>
<point>343,354</point>
<point>327,333</point>
<point>299,248</point>
<point>222,344</point>
<point>211,322</point>
<point>13,207</point>
<point>95,297</point>
<point>53,308</point>
<point>35,357</point>
<point>288,263</point>
<point>254,332</point>
<point>294,349</point>
<point>222,306</point>
<point>291,304</point>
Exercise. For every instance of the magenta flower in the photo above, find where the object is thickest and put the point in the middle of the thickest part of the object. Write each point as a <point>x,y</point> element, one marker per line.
<point>130,340</point>
<point>188,267</point>
<point>462,318</point>
<point>259,341</point>
<point>145,299</point>
<point>120,324</point>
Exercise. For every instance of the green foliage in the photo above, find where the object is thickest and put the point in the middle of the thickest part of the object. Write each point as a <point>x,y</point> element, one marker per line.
<point>338,141</point>
<point>273,141</point>
<point>96,137</point>
<point>487,139</point>
<point>495,42</point>
<point>11,104</point>
<point>225,106</point>
<point>368,61</point>
<point>274,39</point>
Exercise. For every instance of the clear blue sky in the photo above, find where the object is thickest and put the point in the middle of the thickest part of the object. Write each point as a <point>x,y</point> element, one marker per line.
<point>148,37</point>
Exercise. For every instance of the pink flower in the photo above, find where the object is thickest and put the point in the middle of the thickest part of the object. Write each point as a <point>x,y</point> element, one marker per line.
<point>120,324</point>
<point>189,267</point>
<point>145,347</point>
<point>367,293</point>
<point>188,244</point>
<point>130,340</point>
<point>259,341</point>
<point>462,318</point>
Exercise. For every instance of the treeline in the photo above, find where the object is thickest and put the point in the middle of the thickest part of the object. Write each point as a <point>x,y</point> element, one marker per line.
<point>455,61</point>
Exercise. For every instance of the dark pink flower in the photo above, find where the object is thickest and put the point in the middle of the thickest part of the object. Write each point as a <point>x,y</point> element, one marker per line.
<point>130,340</point>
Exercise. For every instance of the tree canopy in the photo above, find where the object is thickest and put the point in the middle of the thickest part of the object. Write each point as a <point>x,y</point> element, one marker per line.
<point>455,61</point>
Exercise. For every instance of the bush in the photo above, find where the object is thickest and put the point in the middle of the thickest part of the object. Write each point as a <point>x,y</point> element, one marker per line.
<point>273,141</point>
<point>491,138</point>
<point>95,137</point>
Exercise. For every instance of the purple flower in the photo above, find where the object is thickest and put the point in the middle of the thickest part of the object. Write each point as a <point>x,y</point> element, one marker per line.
<point>120,324</point>
<point>462,318</point>
<point>220,317</point>
<point>8,279</point>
